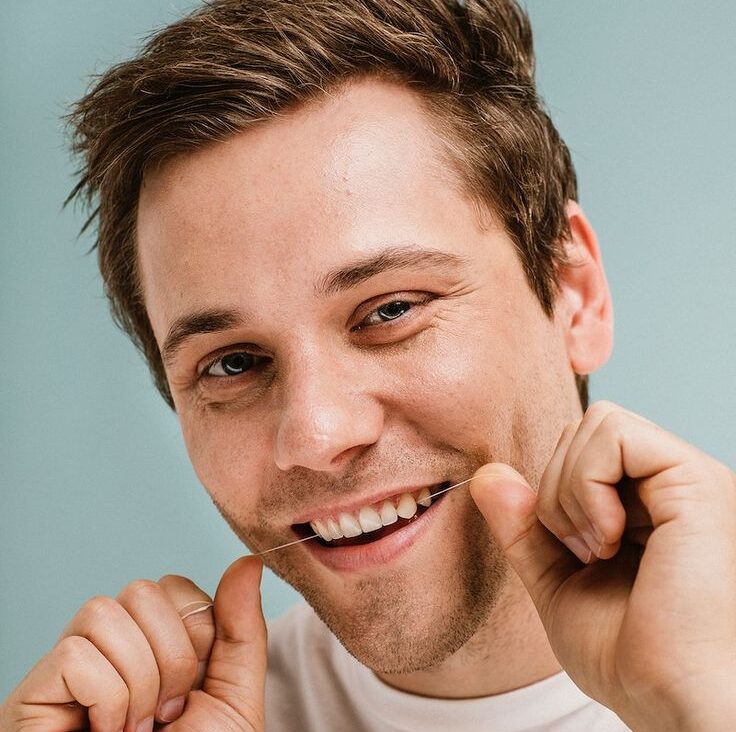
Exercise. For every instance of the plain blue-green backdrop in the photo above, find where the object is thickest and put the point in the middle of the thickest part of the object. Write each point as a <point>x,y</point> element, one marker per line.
<point>96,485</point>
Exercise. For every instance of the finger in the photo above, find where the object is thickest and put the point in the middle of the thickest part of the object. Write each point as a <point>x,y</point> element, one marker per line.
<point>549,510</point>
<point>105,623</point>
<point>194,608</point>
<point>236,671</point>
<point>74,671</point>
<point>509,506</point>
<point>596,510</point>
<point>598,514</point>
<point>661,464</point>
<point>691,499</point>
<point>153,611</point>
<point>569,499</point>
<point>637,515</point>
<point>593,416</point>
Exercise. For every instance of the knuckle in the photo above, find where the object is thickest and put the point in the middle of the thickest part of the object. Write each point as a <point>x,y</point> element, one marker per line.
<point>600,408</point>
<point>170,578</point>
<point>177,586</point>
<point>139,589</point>
<point>101,606</point>
<point>181,583</point>
<point>73,648</point>
<point>615,422</point>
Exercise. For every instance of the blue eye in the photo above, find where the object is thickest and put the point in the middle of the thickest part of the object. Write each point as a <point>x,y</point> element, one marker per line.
<point>232,364</point>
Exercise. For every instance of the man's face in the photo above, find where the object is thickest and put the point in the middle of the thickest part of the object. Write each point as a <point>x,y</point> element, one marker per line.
<point>358,336</point>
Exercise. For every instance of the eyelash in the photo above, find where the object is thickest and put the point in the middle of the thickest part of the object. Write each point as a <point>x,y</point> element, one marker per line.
<point>413,304</point>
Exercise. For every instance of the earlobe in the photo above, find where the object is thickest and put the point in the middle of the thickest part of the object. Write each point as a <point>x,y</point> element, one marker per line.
<point>584,306</point>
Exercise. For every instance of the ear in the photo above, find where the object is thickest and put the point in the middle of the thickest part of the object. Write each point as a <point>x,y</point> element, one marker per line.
<point>583,307</point>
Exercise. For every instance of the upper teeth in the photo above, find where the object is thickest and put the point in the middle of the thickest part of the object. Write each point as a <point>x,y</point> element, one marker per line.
<point>371,518</point>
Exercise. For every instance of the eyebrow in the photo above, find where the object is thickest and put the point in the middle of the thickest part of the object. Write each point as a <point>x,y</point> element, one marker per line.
<point>187,326</point>
<point>344,278</point>
<point>391,258</point>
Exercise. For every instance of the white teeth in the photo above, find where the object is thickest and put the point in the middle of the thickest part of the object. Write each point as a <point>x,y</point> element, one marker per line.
<point>319,527</point>
<point>423,499</point>
<point>388,513</point>
<point>407,506</point>
<point>334,528</point>
<point>349,525</point>
<point>370,519</point>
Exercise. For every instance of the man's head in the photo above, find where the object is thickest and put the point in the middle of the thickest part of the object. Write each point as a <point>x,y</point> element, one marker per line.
<point>234,65</point>
<point>343,235</point>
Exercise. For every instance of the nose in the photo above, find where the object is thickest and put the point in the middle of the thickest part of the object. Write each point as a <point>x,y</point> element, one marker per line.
<point>328,414</point>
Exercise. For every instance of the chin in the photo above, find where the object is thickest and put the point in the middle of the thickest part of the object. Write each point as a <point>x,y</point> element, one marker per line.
<point>413,619</point>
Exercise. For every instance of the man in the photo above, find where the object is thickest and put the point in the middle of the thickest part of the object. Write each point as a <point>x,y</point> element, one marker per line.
<point>345,237</point>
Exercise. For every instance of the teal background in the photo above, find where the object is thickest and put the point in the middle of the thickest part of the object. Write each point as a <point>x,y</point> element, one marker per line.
<point>96,486</point>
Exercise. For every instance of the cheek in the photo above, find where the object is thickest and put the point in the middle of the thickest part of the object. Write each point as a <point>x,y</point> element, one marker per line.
<point>227,456</point>
<point>479,384</point>
<point>461,393</point>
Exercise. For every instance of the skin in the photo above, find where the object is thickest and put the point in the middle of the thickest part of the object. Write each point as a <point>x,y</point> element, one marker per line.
<point>476,379</point>
<point>331,413</point>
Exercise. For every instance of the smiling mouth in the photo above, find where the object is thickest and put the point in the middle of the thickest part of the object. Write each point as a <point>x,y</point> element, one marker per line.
<point>368,532</point>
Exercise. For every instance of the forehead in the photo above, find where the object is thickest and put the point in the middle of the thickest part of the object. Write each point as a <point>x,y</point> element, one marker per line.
<point>277,204</point>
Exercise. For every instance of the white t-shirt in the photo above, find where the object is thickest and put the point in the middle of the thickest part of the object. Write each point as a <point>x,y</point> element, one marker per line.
<point>315,685</point>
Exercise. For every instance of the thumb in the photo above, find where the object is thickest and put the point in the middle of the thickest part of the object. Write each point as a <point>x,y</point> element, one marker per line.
<point>508,504</point>
<point>236,672</point>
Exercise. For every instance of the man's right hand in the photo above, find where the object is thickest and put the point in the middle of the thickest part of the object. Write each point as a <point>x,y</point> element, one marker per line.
<point>121,663</point>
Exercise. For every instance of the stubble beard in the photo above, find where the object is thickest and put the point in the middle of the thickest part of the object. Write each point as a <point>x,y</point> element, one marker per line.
<point>394,625</point>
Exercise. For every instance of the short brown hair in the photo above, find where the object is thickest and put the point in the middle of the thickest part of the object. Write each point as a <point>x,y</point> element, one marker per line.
<point>234,63</point>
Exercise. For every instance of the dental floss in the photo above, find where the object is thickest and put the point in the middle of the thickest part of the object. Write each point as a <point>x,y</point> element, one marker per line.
<point>205,606</point>
<point>314,536</point>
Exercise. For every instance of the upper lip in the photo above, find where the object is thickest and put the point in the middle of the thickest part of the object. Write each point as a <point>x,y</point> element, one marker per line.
<point>357,503</point>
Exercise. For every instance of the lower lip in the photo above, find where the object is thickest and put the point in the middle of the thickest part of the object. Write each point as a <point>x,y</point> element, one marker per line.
<point>377,553</point>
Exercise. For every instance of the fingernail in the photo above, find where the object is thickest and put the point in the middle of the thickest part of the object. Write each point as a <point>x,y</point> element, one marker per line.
<point>171,709</point>
<point>592,541</point>
<point>578,547</point>
<point>145,726</point>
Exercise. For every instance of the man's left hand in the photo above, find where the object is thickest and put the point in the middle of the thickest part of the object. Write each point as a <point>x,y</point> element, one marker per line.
<point>628,551</point>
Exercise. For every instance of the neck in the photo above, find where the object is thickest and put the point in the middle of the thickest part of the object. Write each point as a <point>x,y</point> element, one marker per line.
<point>508,652</point>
